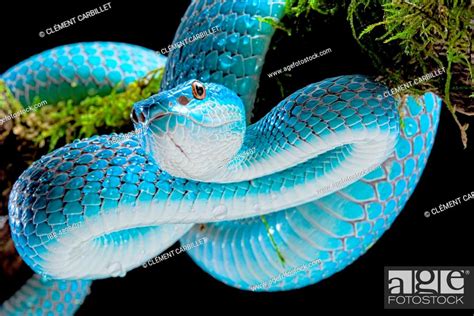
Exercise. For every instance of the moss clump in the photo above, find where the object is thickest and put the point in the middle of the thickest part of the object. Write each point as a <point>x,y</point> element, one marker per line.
<point>406,39</point>
<point>297,7</point>
<point>56,124</point>
<point>416,37</point>
<point>67,120</point>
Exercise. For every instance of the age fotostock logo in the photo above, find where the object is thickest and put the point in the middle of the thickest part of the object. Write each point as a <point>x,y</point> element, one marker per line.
<point>429,287</point>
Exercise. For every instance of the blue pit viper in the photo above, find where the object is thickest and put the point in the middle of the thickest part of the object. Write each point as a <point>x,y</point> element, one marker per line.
<point>330,166</point>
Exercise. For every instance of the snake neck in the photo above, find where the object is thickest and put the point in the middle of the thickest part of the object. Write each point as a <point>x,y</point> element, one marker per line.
<point>233,56</point>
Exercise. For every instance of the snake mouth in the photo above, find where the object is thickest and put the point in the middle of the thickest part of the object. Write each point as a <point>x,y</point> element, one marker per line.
<point>159,116</point>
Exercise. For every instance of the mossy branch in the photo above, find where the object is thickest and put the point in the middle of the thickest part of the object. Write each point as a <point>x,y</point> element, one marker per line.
<point>418,37</point>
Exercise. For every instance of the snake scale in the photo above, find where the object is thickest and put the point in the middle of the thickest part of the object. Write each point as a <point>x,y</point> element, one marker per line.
<point>330,166</point>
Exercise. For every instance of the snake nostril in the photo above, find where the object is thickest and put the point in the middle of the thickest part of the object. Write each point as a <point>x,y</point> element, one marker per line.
<point>137,117</point>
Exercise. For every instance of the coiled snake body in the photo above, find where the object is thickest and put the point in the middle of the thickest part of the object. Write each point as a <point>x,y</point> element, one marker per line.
<point>329,166</point>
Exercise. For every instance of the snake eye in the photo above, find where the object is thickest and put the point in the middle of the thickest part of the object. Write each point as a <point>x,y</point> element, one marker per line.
<point>137,118</point>
<point>199,91</point>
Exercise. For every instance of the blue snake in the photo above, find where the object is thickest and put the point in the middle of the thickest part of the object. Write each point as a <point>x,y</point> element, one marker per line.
<point>330,166</point>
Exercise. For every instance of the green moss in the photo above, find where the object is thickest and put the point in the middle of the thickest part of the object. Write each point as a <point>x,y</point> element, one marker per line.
<point>294,8</point>
<point>8,105</point>
<point>406,39</point>
<point>275,24</point>
<point>272,240</point>
<point>414,38</point>
<point>297,7</point>
<point>67,120</point>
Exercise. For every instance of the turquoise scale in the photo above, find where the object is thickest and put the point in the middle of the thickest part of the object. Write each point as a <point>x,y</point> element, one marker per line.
<point>40,297</point>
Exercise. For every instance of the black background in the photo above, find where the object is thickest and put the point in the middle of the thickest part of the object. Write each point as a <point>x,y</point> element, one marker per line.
<point>178,284</point>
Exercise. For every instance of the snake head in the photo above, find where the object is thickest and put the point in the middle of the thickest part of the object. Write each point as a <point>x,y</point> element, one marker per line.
<point>193,130</point>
